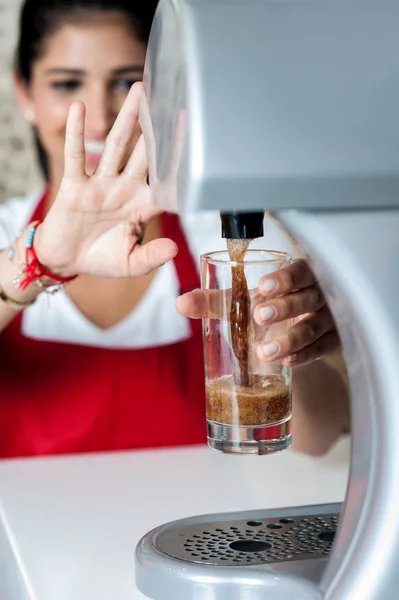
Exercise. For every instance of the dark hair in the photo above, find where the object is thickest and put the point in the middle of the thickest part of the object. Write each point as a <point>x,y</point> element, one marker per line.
<point>40,18</point>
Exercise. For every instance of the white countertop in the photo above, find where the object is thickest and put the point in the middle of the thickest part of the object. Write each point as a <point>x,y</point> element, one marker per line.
<point>72,524</point>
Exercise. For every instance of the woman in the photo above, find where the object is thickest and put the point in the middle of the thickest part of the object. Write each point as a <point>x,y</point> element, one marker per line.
<point>107,363</point>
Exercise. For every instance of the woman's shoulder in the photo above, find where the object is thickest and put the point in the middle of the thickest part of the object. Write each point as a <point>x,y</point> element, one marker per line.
<point>15,214</point>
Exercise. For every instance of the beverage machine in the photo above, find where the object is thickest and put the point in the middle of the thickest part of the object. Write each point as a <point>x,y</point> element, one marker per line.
<point>291,106</point>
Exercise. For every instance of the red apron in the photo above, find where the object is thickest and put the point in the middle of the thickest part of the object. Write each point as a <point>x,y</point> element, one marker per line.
<point>58,398</point>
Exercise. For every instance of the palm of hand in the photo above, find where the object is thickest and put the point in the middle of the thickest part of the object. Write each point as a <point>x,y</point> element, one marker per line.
<point>105,218</point>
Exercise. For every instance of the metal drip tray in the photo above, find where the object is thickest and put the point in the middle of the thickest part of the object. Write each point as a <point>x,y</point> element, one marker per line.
<point>231,556</point>
<point>251,542</point>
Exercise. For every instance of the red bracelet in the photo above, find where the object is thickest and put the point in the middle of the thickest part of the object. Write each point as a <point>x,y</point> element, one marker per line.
<point>34,270</point>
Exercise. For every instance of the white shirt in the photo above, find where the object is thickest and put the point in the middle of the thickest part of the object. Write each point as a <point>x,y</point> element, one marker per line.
<point>154,321</point>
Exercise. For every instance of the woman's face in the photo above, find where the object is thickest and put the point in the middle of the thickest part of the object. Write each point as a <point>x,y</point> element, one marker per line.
<point>96,61</point>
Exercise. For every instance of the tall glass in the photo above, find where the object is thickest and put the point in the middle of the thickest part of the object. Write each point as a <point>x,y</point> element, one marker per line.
<point>248,401</point>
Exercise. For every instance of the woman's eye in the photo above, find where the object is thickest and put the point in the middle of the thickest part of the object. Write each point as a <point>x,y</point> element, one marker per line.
<point>66,86</point>
<point>124,84</point>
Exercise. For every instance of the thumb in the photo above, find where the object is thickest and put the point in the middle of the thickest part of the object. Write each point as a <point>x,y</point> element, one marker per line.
<point>147,257</point>
<point>213,304</point>
<point>192,304</point>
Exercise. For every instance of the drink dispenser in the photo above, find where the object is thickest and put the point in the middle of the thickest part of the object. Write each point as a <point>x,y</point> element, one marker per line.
<point>291,106</point>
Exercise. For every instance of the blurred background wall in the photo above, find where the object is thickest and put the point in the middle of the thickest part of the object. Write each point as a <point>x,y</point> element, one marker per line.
<point>18,172</point>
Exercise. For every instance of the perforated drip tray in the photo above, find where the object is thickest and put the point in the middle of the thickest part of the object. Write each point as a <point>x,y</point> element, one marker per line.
<point>252,542</point>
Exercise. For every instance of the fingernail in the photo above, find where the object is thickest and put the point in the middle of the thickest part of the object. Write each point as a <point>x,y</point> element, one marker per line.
<point>266,313</point>
<point>269,285</point>
<point>270,349</point>
<point>292,358</point>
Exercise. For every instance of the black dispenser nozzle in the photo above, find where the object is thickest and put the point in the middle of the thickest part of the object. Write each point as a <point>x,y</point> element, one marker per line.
<point>238,225</point>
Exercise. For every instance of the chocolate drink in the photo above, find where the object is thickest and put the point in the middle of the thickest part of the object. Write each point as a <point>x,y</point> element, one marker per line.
<point>240,310</point>
<point>266,400</point>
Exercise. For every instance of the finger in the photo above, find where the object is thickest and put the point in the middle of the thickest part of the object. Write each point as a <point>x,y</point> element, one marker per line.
<point>137,165</point>
<point>309,300</point>
<point>213,304</point>
<point>121,135</point>
<point>75,155</point>
<point>192,305</point>
<point>293,277</point>
<point>145,258</point>
<point>303,334</point>
<point>322,348</point>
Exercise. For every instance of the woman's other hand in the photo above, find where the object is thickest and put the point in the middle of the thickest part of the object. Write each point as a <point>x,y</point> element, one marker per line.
<point>96,224</point>
<point>290,293</point>
<point>293,293</point>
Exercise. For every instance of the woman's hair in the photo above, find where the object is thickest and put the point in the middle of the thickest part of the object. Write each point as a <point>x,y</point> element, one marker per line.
<point>41,18</point>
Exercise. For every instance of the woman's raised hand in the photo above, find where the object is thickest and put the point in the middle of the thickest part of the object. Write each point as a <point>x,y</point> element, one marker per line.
<point>96,223</point>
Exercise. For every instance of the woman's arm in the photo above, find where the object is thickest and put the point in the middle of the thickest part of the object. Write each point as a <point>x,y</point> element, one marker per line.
<point>320,405</point>
<point>12,299</point>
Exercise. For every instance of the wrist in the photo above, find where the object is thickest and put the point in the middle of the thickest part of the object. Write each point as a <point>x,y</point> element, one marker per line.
<point>11,267</point>
<point>45,257</point>
<point>22,276</point>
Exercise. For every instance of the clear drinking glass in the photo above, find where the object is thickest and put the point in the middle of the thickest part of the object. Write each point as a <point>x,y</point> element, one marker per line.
<point>248,401</point>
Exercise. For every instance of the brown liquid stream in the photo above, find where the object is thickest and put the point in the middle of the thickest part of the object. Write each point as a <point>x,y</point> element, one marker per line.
<point>240,311</point>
